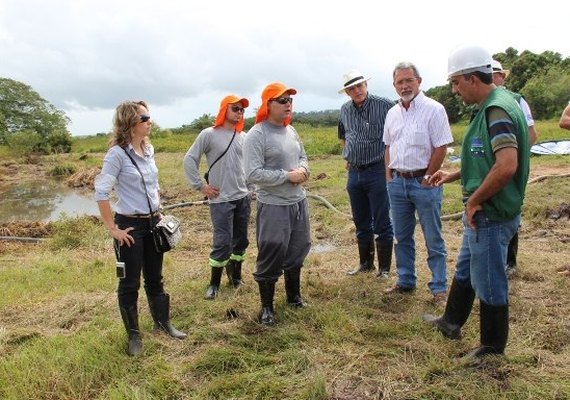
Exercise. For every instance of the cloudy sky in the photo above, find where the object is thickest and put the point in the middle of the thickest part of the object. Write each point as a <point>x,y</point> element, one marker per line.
<point>183,56</point>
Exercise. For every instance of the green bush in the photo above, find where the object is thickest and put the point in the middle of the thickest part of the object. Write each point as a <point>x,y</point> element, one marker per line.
<point>72,233</point>
<point>24,142</point>
<point>63,170</point>
<point>58,142</point>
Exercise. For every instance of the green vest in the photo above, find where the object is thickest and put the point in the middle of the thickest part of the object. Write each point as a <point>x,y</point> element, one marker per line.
<point>516,95</point>
<point>477,158</point>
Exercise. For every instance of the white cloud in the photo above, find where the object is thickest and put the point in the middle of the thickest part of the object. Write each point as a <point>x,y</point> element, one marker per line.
<point>86,56</point>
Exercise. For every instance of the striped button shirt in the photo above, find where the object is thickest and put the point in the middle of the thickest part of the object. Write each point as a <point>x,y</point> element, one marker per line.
<point>362,128</point>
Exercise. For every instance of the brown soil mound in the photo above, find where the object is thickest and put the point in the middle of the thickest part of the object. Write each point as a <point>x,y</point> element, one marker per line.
<point>33,229</point>
<point>85,178</point>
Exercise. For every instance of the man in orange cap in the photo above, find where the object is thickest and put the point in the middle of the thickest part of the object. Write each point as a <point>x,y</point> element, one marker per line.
<point>275,161</point>
<point>226,189</point>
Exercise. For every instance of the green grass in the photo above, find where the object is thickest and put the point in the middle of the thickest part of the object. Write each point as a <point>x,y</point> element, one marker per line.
<point>61,336</point>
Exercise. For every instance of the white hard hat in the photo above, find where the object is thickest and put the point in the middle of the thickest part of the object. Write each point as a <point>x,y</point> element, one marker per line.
<point>469,58</point>
<point>498,67</point>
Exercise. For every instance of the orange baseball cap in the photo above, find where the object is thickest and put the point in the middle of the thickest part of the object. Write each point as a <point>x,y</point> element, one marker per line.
<point>272,91</point>
<point>230,99</point>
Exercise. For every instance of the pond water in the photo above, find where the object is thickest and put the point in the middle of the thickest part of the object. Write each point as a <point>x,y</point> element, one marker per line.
<point>44,201</point>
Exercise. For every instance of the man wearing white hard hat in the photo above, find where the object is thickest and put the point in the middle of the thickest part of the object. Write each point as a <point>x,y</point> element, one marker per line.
<point>494,173</point>
<point>499,76</point>
<point>360,130</point>
<point>564,122</point>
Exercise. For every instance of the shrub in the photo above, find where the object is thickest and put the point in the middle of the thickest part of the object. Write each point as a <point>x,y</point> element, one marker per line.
<point>62,170</point>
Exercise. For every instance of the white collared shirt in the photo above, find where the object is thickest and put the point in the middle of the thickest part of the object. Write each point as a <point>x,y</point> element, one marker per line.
<point>414,133</point>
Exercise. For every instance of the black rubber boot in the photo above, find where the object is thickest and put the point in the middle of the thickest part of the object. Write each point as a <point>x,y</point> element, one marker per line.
<point>494,331</point>
<point>384,259</point>
<point>160,311</point>
<point>293,288</point>
<point>215,281</point>
<point>266,293</point>
<point>457,310</point>
<point>233,272</point>
<point>131,321</point>
<point>512,251</point>
<point>366,254</point>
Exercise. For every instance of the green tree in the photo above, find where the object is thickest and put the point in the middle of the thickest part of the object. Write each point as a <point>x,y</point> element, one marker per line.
<point>549,93</point>
<point>453,105</point>
<point>23,110</point>
<point>542,78</point>
<point>203,122</point>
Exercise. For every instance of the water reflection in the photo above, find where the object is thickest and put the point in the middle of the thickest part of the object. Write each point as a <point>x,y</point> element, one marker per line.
<point>43,201</point>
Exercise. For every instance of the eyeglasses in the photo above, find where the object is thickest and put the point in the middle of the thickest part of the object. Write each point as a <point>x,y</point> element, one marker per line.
<point>144,117</point>
<point>283,100</point>
<point>406,81</point>
<point>237,109</point>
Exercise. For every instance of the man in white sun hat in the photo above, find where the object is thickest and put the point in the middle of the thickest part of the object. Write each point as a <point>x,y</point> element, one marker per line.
<point>494,174</point>
<point>499,76</point>
<point>360,130</point>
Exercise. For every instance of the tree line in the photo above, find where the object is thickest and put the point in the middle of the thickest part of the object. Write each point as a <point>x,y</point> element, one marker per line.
<point>543,79</point>
<point>29,123</point>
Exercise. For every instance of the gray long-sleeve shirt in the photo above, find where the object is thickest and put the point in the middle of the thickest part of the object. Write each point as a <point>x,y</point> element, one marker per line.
<point>270,152</point>
<point>227,174</point>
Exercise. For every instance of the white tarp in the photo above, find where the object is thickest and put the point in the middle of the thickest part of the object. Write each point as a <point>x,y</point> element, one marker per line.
<point>551,148</point>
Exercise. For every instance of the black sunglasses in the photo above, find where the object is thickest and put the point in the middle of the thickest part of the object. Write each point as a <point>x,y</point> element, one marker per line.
<point>144,117</point>
<point>236,109</point>
<point>283,100</point>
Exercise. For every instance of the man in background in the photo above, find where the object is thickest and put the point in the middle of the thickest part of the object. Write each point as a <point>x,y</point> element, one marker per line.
<point>499,76</point>
<point>565,118</point>
<point>360,130</point>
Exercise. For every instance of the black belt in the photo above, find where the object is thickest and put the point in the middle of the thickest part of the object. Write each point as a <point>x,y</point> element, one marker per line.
<point>411,174</point>
<point>365,166</point>
<point>154,214</point>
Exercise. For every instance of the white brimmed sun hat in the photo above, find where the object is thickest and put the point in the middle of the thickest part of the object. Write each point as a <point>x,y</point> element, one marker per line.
<point>498,67</point>
<point>352,78</point>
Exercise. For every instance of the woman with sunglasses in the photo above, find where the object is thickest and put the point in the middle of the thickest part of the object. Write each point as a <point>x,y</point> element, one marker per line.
<point>225,188</point>
<point>130,170</point>
<point>275,161</point>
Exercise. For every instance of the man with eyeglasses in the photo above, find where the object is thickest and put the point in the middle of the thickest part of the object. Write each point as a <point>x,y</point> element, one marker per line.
<point>416,135</point>
<point>275,161</point>
<point>360,130</point>
<point>226,189</point>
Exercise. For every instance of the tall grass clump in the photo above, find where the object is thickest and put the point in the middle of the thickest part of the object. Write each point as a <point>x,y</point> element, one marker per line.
<point>72,233</point>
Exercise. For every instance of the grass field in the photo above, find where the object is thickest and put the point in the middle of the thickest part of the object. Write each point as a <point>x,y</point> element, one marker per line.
<point>61,336</point>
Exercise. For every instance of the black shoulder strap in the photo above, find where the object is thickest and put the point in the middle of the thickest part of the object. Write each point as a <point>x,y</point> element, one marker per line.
<point>221,155</point>
<point>142,178</point>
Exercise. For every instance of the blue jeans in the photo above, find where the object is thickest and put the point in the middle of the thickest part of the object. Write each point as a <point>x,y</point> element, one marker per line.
<point>370,205</point>
<point>406,197</point>
<point>482,258</point>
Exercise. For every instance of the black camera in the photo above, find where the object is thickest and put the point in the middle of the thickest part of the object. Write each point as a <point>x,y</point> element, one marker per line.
<point>120,267</point>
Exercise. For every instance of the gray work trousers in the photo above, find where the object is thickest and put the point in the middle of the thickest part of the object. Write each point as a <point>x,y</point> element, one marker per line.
<point>283,239</point>
<point>230,221</point>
